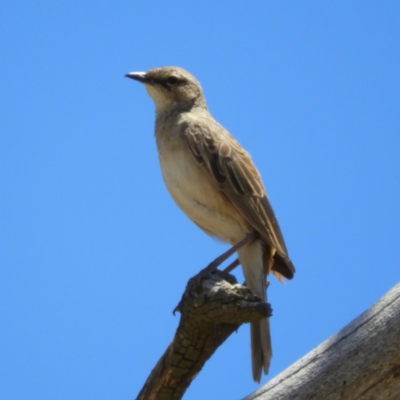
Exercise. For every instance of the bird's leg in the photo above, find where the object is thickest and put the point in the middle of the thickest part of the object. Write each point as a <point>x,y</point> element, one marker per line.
<point>231,266</point>
<point>219,260</point>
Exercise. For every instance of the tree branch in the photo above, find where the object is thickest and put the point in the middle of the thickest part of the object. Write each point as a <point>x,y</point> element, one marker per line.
<point>213,306</point>
<point>361,362</point>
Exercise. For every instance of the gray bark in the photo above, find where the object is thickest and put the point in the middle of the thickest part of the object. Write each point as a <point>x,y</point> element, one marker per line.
<point>362,361</point>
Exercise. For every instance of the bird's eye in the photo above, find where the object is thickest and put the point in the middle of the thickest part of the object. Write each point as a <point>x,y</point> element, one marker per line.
<point>172,80</point>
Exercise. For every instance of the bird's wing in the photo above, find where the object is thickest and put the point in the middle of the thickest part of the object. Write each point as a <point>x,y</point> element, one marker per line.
<point>235,174</point>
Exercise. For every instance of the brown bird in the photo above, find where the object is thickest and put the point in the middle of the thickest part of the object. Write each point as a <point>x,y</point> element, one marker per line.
<point>215,183</point>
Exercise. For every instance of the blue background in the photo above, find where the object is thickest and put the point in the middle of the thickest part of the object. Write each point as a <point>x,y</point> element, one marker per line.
<point>94,254</point>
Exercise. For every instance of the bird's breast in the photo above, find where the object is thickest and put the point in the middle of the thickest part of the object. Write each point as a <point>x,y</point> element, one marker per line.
<point>198,196</point>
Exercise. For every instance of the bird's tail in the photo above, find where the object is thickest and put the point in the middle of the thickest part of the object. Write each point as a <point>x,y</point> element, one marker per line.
<point>251,258</point>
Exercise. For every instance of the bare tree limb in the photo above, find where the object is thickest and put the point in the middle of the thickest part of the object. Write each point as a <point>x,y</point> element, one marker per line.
<point>361,362</point>
<point>212,308</point>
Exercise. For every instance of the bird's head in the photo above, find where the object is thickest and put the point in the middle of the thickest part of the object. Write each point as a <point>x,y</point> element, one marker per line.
<point>171,87</point>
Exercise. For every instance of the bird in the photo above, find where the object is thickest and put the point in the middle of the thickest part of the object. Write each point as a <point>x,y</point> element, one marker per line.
<point>214,181</point>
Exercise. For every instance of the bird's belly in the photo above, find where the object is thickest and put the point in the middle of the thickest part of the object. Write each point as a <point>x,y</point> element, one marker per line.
<point>200,199</point>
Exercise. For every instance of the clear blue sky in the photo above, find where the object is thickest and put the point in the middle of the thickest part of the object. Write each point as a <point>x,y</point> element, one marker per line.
<point>94,254</point>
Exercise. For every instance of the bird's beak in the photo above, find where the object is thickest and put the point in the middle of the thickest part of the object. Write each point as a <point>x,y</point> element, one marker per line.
<point>137,76</point>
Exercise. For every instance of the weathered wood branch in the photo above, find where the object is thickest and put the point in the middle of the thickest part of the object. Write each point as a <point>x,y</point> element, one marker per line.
<point>213,306</point>
<point>361,362</point>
